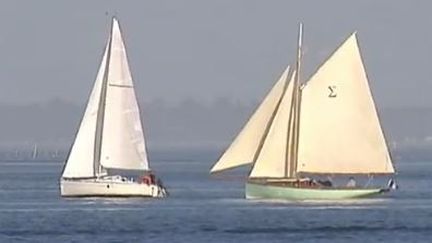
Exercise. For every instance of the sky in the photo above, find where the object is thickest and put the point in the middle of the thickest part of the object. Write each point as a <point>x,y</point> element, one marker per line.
<point>207,50</point>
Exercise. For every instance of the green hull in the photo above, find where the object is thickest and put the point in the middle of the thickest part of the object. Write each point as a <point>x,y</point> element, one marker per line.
<point>260,191</point>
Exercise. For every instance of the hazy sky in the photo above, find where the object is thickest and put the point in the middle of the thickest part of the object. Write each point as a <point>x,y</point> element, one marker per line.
<point>210,49</point>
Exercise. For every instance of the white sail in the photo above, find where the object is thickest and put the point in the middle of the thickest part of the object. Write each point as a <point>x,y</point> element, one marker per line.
<point>272,159</point>
<point>123,145</point>
<point>339,127</point>
<point>244,147</point>
<point>80,160</point>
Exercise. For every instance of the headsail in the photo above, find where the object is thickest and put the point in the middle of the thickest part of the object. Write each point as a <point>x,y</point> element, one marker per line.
<point>339,128</point>
<point>123,145</point>
<point>80,160</point>
<point>273,156</point>
<point>278,156</point>
<point>243,149</point>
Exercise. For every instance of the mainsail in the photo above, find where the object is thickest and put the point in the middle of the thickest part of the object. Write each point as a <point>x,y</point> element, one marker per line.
<point>339,128</point>
<point>120,143</point>
<point>244,148</point>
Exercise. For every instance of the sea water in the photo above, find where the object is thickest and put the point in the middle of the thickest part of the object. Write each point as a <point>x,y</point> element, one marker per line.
<point>205,209</point>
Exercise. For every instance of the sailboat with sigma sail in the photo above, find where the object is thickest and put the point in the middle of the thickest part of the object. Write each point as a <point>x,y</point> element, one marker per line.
<point>327,126</point>
<point>110,137</point>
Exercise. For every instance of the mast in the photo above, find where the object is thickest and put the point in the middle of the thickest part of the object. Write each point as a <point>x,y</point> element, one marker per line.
<point>292,151</point>
<point>101,110</point>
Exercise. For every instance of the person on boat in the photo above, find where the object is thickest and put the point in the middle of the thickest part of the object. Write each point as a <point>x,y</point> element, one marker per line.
<point>306,182</point>
<point>351,182</point>
<point>149,179</point>
<point>392,184</point>
<point>163,190</point>
<point>152,178</point>
<point>326,183</point>
<point>145,179</point>
<point>313,183</point>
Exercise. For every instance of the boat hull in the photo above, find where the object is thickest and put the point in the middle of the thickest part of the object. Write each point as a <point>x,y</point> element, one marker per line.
<point>262,191</point>
<point>106,188</point>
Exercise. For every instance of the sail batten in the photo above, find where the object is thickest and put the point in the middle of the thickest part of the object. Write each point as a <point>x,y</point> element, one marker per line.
<point>244,147</point>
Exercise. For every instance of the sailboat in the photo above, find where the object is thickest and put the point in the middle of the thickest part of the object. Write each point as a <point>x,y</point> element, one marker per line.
<point>35,152</point>
<point>302,132</point>
<point>110,137</point>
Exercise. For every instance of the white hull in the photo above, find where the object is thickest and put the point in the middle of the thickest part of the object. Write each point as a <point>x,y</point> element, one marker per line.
<point>102,187</point>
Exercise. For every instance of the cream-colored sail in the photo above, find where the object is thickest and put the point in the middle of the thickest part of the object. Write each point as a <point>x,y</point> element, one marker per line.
<point>272,159</point>
<point>339,127</point>
<point>79,164</point>
<point>123,145</point>
<point>245,145</point>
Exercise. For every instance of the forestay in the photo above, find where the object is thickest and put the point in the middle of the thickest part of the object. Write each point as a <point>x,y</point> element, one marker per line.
<point>339,127</point>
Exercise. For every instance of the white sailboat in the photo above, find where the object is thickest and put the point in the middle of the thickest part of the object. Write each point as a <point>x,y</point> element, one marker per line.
<point>327,126</point>
<point>35,152</point>
<point>110,136</point>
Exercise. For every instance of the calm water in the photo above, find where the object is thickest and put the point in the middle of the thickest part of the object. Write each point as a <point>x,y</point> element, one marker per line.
<point>202,209</point>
